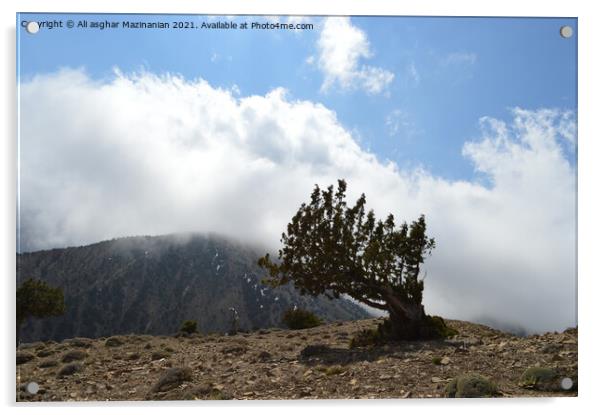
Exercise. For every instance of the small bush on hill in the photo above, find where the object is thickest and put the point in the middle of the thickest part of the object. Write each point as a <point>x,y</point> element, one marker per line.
<point>297,319</point>
<point>188,326</point>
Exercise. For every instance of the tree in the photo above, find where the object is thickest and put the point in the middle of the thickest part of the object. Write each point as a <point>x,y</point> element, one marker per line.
<point>332,249</point>
<point>37,299</point>
<point>188,326</point>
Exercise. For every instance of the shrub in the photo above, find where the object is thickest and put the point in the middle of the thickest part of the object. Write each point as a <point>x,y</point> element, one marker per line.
<point>297,319</point>
<point>470,386</point>
<point>439,325</point>
<point>540,378</point>
<point>172,378</point>
<point>189,327</point>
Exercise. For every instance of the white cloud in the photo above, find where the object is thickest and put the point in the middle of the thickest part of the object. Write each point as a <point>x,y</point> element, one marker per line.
<point>150,155</point>
<point>341,46</point>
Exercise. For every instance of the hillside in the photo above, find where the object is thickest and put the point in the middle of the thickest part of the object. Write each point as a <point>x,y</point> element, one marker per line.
<point>313,363</point>
<point>149,285</point>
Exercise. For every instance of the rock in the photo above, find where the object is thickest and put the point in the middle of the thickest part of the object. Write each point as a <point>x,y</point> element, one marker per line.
<point>48,363</point>
<point>264,356</point>
<point>445,361</point>
<point>551,348</point>
<point>74,355</point>
<point>235,349</point>
<point>160,355</point>
<point>83,342</point>
<point>114,341</point>
<point>436,379</point>
<point>470,386</point>
<point>45,352</point>
<point>24,357</point>
<point>541,378</point>
<point>172,378</point>
<point>69,369</point>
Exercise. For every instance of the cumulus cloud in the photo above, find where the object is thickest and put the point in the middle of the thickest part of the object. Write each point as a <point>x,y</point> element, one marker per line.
<point>147,154</point>
<point>341,46</point>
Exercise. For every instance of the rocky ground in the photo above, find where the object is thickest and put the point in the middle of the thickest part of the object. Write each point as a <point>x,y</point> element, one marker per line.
<point>314,363</point>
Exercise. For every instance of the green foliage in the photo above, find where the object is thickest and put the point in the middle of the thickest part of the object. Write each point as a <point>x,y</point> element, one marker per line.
<point>436,360</point>
<point>37,299</point>
<point>297,319</point>
<point>540,378</point>
<point>470,386</point>
<point>188,326</point>
<point>332,249</point>
<point>441,327</point>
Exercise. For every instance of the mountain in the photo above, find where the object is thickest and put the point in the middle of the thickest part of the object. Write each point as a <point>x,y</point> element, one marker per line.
<point>149,285</point>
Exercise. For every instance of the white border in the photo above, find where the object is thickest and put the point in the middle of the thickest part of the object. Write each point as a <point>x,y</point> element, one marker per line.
<point>590,207</point>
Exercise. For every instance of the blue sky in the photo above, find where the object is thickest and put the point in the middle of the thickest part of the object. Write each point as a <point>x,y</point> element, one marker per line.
<point>448,72</point>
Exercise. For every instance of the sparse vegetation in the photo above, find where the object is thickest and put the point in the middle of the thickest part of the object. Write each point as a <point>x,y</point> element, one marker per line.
<point>273,366</point>
<point>297,319</point>
<point>189,327</point>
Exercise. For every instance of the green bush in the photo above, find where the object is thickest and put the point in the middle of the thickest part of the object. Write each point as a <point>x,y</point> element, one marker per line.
<point>540,378</point>
<point>188,326</point>
<point>470,386</point>
<point>297,319</point>
<point>439,325</point>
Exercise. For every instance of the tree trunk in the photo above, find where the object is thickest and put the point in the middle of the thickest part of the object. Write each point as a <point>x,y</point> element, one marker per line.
<point>407,320</point>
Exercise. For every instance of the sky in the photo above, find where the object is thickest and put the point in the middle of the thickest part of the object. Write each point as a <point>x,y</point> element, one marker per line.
<point>470,121</point>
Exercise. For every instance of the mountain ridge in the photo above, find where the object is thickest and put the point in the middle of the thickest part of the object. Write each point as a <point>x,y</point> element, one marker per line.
<point>150,284</point>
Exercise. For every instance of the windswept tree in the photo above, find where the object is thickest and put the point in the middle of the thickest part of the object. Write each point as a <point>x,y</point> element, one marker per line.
<point>332,249</point>
<point>37,299</point>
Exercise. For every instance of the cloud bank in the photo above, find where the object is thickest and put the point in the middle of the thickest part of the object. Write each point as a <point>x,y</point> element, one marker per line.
<point>146,154</point>
<point>341,46</point>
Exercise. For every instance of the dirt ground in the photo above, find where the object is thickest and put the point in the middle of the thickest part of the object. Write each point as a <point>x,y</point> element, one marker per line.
<point>278,364</point>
